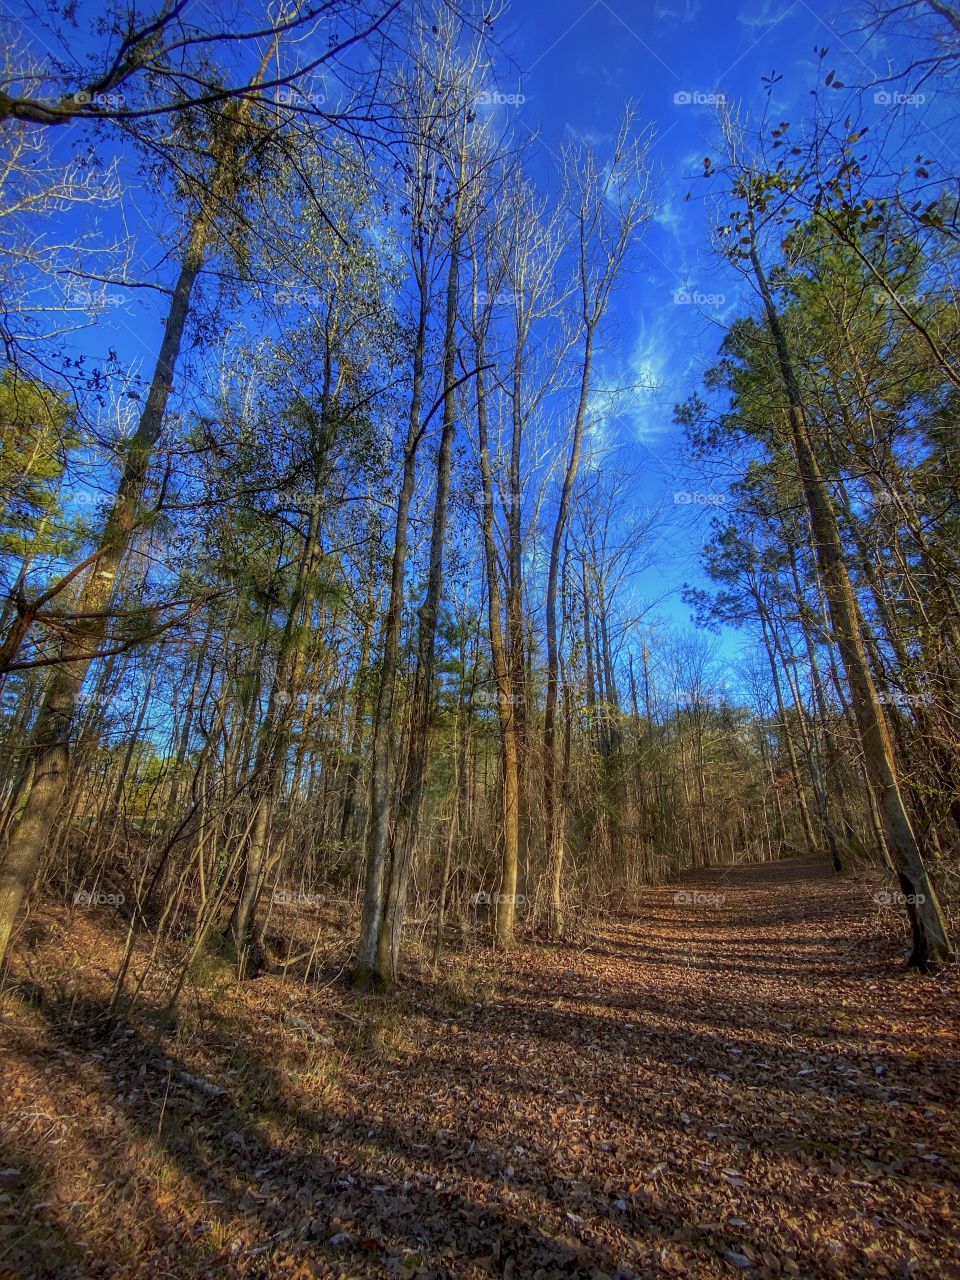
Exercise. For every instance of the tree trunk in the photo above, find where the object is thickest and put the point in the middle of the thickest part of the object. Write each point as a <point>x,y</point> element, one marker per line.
<point>50,740</point>
<point>418,744</point>
<point>553,817</point>
<point>367,973</point>
<point>931,945</point>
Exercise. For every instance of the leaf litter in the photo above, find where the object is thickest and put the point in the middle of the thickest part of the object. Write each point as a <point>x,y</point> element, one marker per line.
<point>756,1088</point>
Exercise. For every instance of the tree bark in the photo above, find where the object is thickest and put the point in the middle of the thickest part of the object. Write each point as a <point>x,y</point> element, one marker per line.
<point>931,944</point>
<point>50,739</point>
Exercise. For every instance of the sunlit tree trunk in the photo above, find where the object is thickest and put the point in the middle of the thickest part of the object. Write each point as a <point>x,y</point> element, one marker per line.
<point>51,736</point>
<point>931,944</point>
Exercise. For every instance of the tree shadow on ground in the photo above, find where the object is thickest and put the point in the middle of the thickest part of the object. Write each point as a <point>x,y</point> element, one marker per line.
<point>346,1191</point>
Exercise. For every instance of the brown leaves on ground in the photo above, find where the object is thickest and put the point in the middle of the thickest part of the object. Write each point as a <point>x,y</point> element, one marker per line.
<point>749,1086</point>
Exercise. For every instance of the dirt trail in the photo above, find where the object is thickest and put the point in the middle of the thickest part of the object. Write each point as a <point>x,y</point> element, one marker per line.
<point>737,1078</point>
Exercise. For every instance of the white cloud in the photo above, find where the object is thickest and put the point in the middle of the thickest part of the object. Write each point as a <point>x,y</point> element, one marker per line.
<point>588,137</point>
<point>689,12</point>
<point>612,77</point>
<point>767,14</point>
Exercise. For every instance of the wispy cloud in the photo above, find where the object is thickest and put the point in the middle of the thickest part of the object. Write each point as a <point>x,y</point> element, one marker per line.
<point>595,138</point>
<point>685,13</point>
<point>611,77</point>
<point>766,14</point>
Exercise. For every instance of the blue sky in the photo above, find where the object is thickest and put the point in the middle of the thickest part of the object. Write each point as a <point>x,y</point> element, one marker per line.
<point>576,64</point>
<point>572,65</point>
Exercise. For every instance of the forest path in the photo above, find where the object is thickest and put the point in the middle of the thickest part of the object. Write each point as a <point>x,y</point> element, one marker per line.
<point>738,1077</point>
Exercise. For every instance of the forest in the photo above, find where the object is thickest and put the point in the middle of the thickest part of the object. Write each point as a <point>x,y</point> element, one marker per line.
<point>479,639</point>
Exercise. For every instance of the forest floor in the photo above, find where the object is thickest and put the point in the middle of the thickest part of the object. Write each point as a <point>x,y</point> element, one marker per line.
<point>746,1081</point>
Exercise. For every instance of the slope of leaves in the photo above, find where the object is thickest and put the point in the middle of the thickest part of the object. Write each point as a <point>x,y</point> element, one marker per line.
<point>744,1080</point>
